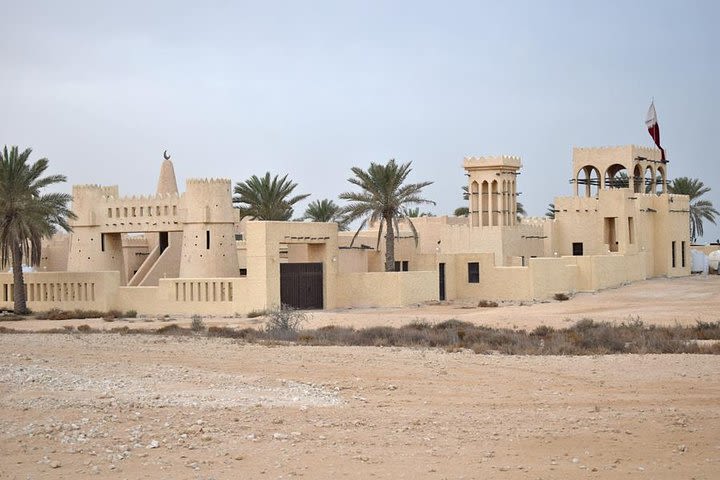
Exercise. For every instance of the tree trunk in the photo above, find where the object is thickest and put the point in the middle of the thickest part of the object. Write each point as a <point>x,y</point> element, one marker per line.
<point>389,246</point>
<point>20,307</point>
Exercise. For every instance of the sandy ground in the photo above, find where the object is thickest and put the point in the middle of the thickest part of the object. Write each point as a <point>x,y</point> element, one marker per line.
<point>135,406</point>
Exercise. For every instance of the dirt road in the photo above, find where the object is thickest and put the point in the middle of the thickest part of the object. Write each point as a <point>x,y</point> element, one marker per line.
<point>110,406</point>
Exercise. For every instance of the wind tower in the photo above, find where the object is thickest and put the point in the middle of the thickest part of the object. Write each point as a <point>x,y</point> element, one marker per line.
<point>492,189</point>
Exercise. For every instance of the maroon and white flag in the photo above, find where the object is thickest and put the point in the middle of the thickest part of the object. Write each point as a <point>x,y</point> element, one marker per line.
<point>654,128</point>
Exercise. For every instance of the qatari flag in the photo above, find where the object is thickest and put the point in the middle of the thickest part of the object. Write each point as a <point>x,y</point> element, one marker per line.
<point>654,128</point>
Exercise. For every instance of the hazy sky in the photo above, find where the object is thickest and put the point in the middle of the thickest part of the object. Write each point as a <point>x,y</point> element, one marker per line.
<point>311,88</point>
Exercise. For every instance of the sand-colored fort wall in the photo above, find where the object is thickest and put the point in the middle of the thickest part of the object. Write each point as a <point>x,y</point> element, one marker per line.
<point>543,277</point>
<point>64,290</point>
<point>385,289</point>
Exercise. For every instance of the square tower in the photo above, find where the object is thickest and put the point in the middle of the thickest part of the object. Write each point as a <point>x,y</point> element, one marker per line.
<point>492,189</point>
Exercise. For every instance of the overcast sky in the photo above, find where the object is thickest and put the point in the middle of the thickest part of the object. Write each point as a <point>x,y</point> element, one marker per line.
<point>313,88</point>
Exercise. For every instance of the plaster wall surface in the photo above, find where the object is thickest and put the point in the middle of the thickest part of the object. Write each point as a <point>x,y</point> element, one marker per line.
<point>64,290</point>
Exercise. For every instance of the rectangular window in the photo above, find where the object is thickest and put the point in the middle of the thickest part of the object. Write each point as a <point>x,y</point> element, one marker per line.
<point>110,212</point>
<point>405,266</point>
<point>397,266</point>
<point>473,272</point>
<point>207,239</point>
<point>238,237</point>
<point>102,242</point>
<point>673,254</point>
<point>577,249</point>
<point>243,272</point>
<point>682,254</point>
<point>631,230</point>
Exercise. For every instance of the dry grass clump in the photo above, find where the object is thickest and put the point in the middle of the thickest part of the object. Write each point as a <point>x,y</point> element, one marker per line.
<point>57,314</point>
<point>256,313</point>
<point>487,304</point>
<point>79,314</point>
<point>197,324</point>
<point>586,337</point>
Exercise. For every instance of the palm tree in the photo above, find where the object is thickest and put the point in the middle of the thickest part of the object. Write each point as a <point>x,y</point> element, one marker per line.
<point>550,211</point>
<point>263,198</point>
<point>383,199</point>
<point>699,209</point>
<point>325,211</point>
<point>27,215</point>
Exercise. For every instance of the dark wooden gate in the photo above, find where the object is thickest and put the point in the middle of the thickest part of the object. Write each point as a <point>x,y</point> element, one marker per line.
<point>301,285</point>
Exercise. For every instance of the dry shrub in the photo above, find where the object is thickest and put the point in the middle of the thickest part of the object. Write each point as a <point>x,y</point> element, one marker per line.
<point>171,329</point>
<point>561,297</point>
<point>487,304</point>
<point>283,323</point>
<point>197,324</point>
<point>8,316</point>
<point>57,314</point>
<point>84,328</point>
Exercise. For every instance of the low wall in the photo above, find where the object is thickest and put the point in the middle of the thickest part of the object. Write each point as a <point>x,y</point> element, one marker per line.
<point>63,290</point>
<point>544,277</point>
<point>385,289</point>
<point>495,283</point>
<point>204,296</point>
<point>553,275</point>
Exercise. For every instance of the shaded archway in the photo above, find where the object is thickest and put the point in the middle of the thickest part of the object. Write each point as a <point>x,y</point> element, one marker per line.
<point>649,179</point>
<point>616,176</point>
<point>638,179</point>
<point>485,202</point>
<point>660,180</point>
<point>474,204</point>
<point>587,181</point>
<point>495,208</point>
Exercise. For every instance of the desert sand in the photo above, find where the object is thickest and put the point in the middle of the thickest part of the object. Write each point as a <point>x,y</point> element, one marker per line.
<point>148,406</point>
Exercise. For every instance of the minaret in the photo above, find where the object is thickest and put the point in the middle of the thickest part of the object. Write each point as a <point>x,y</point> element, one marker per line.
<point>167,184</point>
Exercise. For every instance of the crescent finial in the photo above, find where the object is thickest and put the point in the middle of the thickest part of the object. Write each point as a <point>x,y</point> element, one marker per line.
<point>165,155</point>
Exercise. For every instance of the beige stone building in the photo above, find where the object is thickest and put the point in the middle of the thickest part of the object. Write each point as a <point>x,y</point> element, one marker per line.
<point>188,252</point>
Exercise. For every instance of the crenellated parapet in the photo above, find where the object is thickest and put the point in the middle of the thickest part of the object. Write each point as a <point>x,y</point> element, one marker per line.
<point>208,201</point>
<point>498,161</point>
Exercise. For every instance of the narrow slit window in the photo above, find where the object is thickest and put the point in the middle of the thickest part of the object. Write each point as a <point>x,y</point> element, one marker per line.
<point>207,239</point>
<point>682,254</point>
<point>673,254</point>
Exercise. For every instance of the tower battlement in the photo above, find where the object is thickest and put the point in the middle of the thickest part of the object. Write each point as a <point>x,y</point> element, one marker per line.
<point>492,161</point>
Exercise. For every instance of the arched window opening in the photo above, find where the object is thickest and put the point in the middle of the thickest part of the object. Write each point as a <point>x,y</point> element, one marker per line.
<point>660,181</point>
<point>616,176</point>
<point>485,201</point>
<point>495,207</point>
<point>637,179</point>
<point>649,180</point>
<point>475,204</point>
<point>588,181</point>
